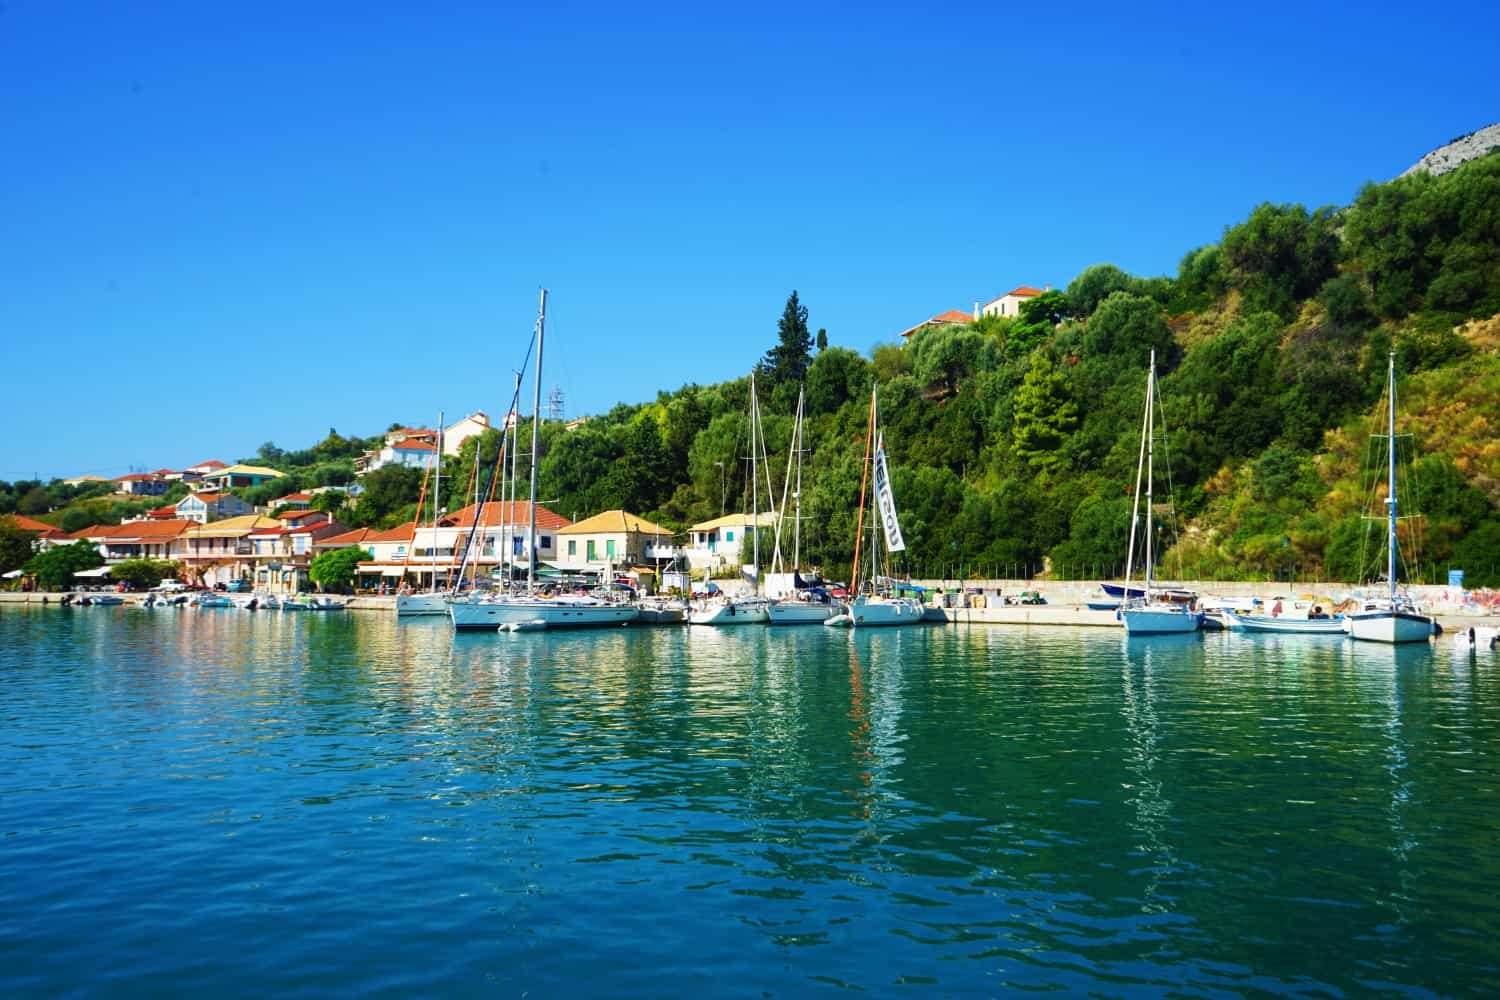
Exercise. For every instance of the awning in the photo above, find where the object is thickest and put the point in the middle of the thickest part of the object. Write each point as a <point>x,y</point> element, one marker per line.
<point>94,573</point>
<point>392,571</point>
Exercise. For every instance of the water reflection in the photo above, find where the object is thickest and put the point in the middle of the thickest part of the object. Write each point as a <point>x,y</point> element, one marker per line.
<point>975,809</point>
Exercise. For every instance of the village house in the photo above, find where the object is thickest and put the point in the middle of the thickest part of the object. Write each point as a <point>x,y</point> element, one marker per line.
<point>413,453</point>
<point>716,544</point>
<point>296,501</point>
<point>141,484</point>
<point>144,539</point>
<point>206,507</point>
<point>1008,304</point>
<point>235,477</point>
<point>46,536</point>
<point>953,317</point>
<point>456,433</point>
<point>219,552</point>
<point>284,553</point>
<point>615,539</point>
<point>500,536</point>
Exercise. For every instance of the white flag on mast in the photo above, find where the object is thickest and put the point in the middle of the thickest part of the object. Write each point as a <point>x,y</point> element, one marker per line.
<point>887,501</point>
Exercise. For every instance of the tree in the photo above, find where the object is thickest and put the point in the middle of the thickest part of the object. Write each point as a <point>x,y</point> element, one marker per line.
<point>822,340</point>
<point>269,453</point>
<point>1093,286</point>
<point>1281,255</point>
<point>334,570</point>
<point>16,545</point>
<point>54,568</point>
<point>34,501</point>
<point>144,573</point>
<point>1044,414</point>
<point>788,360</point>
<point>1036,319</point>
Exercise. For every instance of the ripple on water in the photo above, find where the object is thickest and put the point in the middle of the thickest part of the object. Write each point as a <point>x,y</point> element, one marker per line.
<point>300,804</point>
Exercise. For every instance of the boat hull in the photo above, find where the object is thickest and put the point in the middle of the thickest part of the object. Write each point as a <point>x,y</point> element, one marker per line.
<point>1165,621</point>
<point>481,615</point>
<point>1285,626</point>
<point>421,604</point>
<point>745,611</point>
<point>871,612</point>
<point>1390,626</point>
<point>801,613</point>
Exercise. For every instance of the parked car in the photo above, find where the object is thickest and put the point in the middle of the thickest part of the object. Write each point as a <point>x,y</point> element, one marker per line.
<point>170,586</point>
<point>239,587</point>
<point>1027,597</point>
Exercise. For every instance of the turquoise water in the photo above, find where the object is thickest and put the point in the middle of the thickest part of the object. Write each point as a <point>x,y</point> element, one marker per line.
<point>256,804</point>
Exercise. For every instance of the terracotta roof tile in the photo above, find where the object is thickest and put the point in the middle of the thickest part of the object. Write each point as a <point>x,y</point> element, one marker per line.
<point>499,512</point>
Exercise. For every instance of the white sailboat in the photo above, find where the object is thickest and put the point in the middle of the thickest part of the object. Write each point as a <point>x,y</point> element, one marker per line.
<point>753,609</point>
<point>431,601</point>
<point>1155,612</point>
<point>877,604</point>
<point>1394,617</point>
<point>803,606</point>
<point>489,612</point>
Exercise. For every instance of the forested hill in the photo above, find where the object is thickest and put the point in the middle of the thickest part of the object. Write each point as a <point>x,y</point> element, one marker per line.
<point>1014,442</point>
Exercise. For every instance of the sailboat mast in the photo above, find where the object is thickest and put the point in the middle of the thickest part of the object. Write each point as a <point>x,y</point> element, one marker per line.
<point>1150,472</point>
<point>859,526</point>
<point>754,484</point>
<point>536,424</point>
<point>437,500</point>
<point>797,496</point>
<point>1390,497</point>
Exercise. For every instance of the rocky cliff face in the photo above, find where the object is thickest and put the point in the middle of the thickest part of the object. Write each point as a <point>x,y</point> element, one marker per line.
<point>1459,151</point>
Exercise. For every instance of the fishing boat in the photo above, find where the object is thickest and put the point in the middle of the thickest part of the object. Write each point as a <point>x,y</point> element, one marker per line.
<point>880,602</point>
<point>662,611</point>
<point>1155,611</point>
<point>1237,621</point>
<point>489,612</point>
<point>805,605</point>
<point>1393,617</point>
<point>753,608</point>
<point>326,604</point>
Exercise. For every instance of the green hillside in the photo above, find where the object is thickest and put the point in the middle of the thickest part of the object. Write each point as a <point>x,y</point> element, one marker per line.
<point>1014,441</point>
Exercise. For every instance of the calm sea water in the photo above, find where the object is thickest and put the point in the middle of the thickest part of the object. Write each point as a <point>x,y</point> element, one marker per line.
<point>227,803</point>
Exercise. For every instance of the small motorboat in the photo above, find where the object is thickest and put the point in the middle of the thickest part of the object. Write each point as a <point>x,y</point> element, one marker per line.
<point>325,604</point>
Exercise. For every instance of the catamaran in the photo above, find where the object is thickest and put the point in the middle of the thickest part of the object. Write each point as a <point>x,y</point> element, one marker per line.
<point>1394,617</point>
<point>480,611</point>
<point>1155,611</point>
<point>879,603</point>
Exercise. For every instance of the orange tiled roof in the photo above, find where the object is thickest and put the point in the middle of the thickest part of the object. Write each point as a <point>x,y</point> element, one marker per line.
<point>212,463</point>
<point>499,512</point>
<point>952,316</point>
<point>293,515</point>
<point>356,537</point>
<point>413,444</point>
<point>156,530</point>
<point>1024,292</point>
<point>40,527</point>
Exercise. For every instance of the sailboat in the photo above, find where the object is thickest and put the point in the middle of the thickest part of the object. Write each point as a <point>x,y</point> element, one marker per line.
<point>531,610</point>
<point>432,601</point>
<point>1394,617</point>
<point>877,604</point>
<point>753,609</point>
<point>1154,612</point>
<point>805,605</point>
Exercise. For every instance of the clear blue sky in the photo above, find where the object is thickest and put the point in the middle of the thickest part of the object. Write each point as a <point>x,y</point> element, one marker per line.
<point>225,224</point>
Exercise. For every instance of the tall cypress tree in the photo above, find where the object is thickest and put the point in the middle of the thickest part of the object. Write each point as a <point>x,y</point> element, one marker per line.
<point>789,359</point>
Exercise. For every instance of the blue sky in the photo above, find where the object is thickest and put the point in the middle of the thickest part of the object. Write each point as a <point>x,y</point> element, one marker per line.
<point>226,224</point>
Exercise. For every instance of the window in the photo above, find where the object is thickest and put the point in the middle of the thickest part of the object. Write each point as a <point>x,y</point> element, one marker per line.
<point>546,541</point>
<point>572,547</point>
<point>591,555</point>
<point>729,536</point>
<point>609,549</point>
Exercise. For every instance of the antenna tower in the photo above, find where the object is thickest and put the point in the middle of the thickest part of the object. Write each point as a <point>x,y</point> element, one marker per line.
<point>555,404</point>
